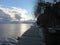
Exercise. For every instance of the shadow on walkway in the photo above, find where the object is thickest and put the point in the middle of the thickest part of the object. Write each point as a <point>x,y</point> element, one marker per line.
<point>31,37</point>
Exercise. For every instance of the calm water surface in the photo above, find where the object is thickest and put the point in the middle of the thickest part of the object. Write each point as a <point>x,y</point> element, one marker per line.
<point>13,30</point>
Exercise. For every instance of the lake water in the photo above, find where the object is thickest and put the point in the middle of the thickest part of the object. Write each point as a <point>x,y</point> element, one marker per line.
<point>13,30</point>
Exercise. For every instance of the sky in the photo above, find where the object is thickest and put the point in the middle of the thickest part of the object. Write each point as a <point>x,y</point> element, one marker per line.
<point>17,9</point>
<point>25,4</point>
<point>49,0</point>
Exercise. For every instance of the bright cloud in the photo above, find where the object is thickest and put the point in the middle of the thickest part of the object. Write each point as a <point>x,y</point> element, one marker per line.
<point>13,14</point>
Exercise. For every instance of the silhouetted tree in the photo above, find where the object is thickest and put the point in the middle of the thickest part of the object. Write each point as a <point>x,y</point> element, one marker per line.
<point>50,18</point>
<point>42,12</point>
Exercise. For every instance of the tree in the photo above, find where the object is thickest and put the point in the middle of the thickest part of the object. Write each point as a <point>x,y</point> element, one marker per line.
<point>38,8</point>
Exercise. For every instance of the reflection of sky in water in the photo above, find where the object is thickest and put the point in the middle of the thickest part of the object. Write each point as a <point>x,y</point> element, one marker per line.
<point>12,30</point>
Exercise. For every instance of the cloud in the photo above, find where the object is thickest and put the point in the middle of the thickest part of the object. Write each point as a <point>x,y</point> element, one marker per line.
<point>23,12</point>
<point>13,14</point>
<point>20,10</point>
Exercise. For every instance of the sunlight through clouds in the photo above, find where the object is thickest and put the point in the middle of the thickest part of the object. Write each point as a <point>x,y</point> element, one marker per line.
<point>13,14</point>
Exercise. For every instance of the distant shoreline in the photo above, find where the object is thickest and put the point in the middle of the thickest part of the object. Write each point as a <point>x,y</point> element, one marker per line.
<point>16,22</point>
